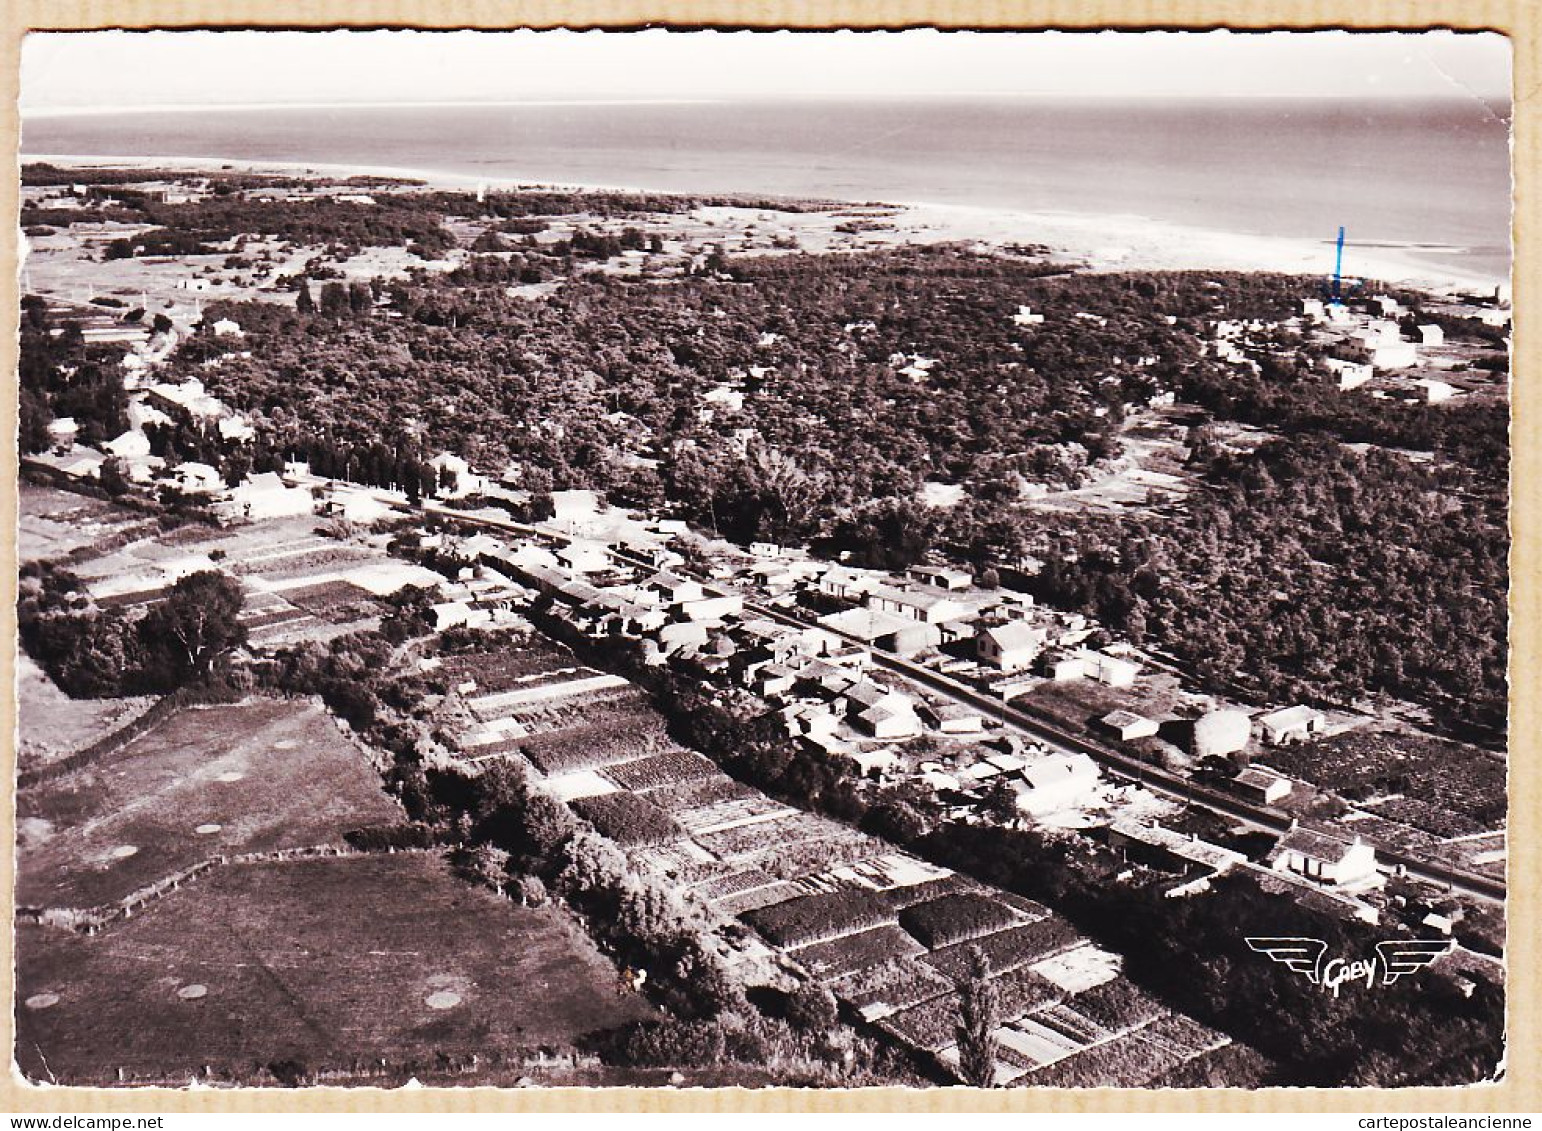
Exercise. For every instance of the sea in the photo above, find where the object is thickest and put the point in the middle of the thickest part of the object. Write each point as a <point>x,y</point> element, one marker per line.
<point>1431,178</point>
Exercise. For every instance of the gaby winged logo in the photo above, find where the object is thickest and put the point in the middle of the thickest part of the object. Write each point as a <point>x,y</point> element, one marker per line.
<point>1394,958</point>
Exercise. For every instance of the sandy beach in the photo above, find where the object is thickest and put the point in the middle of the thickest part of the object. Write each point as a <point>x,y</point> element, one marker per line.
<point>1101,242</point>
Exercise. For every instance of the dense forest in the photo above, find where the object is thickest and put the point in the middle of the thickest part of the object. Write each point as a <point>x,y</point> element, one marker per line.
<point>601,384</point>
<point>1311,572</point>
<point>1302,571</point>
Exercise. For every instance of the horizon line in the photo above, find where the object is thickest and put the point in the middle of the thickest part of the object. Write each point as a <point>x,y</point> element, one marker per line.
<point>94,110</point>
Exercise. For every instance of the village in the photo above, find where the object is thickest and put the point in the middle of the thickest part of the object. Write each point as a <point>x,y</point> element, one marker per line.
<point>963,695</point>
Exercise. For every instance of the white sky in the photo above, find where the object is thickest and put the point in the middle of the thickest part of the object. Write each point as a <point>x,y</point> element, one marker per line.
<point>113,68</point>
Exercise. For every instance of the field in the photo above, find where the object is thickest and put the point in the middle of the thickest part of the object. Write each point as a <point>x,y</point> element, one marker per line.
<point>51,523</point>
<point>1454,789</point>
<point>51,724</point>
<point>321,963</point>
<point>498,671</point>
<point>255,776</point>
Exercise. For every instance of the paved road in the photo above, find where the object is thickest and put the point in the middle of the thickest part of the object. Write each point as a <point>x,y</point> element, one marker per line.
<point>1152,777</point>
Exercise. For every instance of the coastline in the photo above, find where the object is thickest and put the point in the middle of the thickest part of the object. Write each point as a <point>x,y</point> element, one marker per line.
<point>1100,242</point>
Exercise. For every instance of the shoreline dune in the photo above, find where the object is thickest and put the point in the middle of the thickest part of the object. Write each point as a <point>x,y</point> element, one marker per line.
<point>1102,242</point>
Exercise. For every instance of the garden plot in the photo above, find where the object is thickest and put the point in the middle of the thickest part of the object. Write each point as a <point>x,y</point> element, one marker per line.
<point>1009,949</point>
<point>1006,1071</point>
<point>499,671</point>
<point>317,557</point>
<point>577,785</point>
<point>580,682</point>
<point>1118,1005</point>
<point>335,963</point>
<point>594,746</point>
<point>815,918</point>
<point>933,1024</point>
<point>122,578</point>
<point>778,891</point>
<point>1080,968</point>
<point>856,951</point>
<point>793,845</point>
<point>879,991</point>
<point>256,776</point>
<point>1447,788</point>
<point>902,897</point>
<point>891,871</point>
<point>1130,1060</point>
<point>670,768</point>
<point>628,820</point>
<point>625,710</point>
<point>733,883</point>
<point>684,861</point>
<point>736,814</point>
<point>955,918</point>
<point>52,523</point>
<point>815,858</point>
<point>335,601</point>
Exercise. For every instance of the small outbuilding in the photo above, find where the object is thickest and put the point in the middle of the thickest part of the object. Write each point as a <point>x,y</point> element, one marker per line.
<point>1129,726</point>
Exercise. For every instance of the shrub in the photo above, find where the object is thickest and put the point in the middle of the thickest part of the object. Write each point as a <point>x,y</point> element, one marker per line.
<point>954,918</point>
<point>811,1007</point>
<point>814,918</point>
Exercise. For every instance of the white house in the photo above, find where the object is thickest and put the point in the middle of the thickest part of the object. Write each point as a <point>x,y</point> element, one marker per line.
<point>584,557</point>
<point>62,432</point>
<point>1026,317</point>
<point>1111,670</point>
<point>455,475</point>
<point>711,609</point>
<point>1394,355</point>
<point>1262,785</point>
<point>928,607</point>
<point>1291,724</point>
<point>1435,392</point>
<point>228,327</point>
<point>1351,374</point>
<point>942,577</point>
<point>1012,646</point>
<point>265,495</point>
<point>195,478</point>
<point>881,722</point>
<point>1064,669</point>
<point>1128,725</point>
<point>873,763</point>
<point>682,637</point>
<point>451,614</point>
<point>574,506</point>
<point>674,589</point>
<point>1432,335</point>
<point>1055,782</point>
<point>952,718</point>
<point>1326,859</point>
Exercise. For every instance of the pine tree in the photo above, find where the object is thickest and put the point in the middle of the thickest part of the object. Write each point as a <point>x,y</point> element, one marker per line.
<point>980,1016</point>
<point>303,302</point>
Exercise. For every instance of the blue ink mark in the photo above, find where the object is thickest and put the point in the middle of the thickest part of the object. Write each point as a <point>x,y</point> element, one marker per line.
<point>1338,268</point>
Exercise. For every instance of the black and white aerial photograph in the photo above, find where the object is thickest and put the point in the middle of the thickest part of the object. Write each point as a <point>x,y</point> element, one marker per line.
<point>689,559</point>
